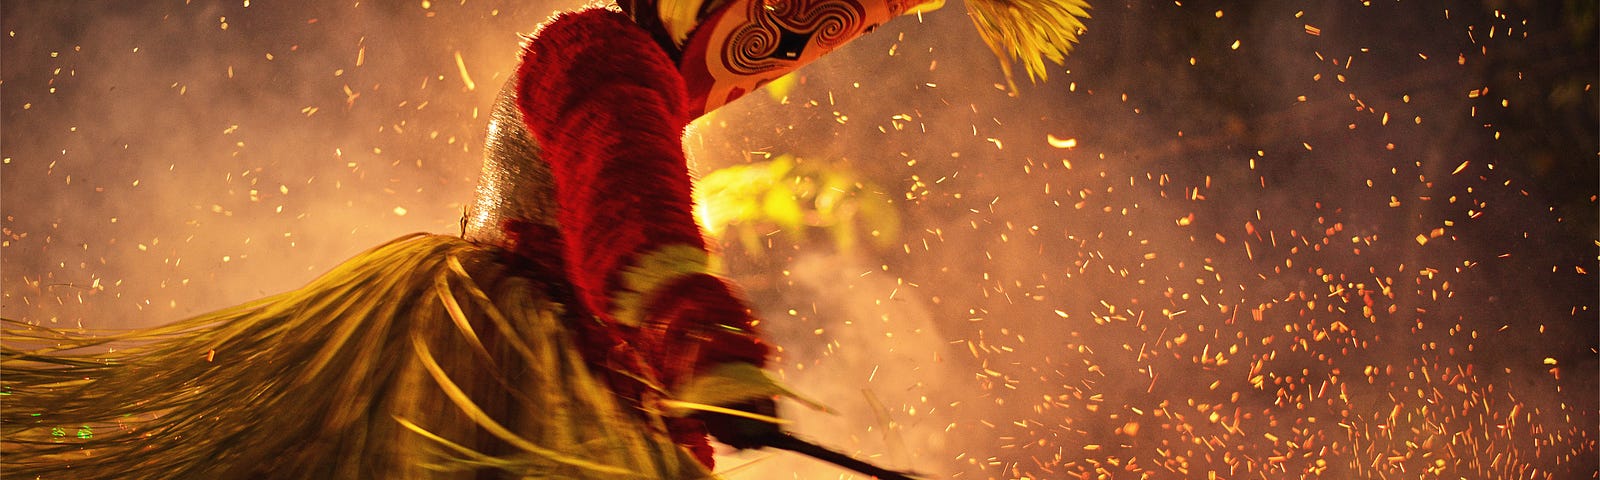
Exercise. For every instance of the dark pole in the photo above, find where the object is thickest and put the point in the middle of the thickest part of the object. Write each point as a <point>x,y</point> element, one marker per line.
<point>788,442</point>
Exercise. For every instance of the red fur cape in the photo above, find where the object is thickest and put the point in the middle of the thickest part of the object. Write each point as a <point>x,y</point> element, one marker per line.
<point>607,107</point>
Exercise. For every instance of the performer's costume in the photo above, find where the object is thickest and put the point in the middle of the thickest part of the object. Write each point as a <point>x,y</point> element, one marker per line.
<point>564,336</point>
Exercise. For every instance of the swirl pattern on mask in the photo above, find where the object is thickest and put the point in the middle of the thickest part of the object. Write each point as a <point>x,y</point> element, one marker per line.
<point>780,31</point>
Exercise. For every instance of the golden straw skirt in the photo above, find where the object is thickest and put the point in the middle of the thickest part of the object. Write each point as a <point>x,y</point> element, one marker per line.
<point>427,357</point>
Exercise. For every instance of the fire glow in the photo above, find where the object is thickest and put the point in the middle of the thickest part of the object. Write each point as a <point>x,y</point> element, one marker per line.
<point>1213,256</point>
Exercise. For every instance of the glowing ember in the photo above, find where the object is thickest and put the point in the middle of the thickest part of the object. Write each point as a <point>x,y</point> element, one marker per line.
<point>1235,266</point>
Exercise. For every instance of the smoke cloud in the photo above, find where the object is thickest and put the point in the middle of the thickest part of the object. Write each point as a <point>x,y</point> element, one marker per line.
<point>1244,239</point>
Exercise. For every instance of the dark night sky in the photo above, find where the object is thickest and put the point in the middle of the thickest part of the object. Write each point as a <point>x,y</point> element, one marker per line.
<point>1352,239</point>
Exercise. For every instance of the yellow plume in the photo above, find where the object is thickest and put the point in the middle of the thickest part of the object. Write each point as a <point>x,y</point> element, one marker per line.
<point>1028,30</point>
<point>679,17</point>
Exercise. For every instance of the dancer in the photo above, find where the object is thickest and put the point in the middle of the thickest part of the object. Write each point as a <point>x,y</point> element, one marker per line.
<point>574,330</point>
